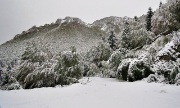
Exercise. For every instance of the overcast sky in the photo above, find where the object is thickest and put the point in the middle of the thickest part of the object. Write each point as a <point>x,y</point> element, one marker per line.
<point>19,15</point>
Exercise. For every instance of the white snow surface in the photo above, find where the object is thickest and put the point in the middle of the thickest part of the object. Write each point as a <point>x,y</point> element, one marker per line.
<point>95,93</point>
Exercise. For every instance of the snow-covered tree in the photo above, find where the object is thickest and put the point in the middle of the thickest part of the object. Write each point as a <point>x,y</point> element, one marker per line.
<point>29,52</point>
<point>112,41</point>
<point>115,59</point>
<point>135,18</point>
<point>0,75</point>
<point>68,68</point>
<point>165,19</point>
<point>99,53</point>
<point>125,36</point>
<point>148,19</point>
<point>175,9</point>
<point>35,69</point>
<point>160,5</point>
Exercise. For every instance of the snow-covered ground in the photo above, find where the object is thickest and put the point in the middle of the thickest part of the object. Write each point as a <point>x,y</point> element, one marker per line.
<point>97,93</point>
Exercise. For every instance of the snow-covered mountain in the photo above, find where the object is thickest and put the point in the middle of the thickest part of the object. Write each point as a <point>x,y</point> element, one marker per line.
<point>67,32</point>
<point>57,37</point>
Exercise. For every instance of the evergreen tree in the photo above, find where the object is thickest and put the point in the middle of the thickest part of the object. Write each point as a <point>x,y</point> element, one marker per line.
<point>125,36</point>
<point>148,19</point>
<point>160,5</point>
<point>112,41</point>
<point>0,75</point>
<point>135,18</point>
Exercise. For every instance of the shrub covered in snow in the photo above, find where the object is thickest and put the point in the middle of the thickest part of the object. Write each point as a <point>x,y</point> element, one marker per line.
<point>40,69</point>
<point>152,78</point>
<point>93,70</point>
<point>99,53</point>
<point>25,69</point>
<point>68,67</point>
<point>133,70</point>
<point>177,79</point>
<point>115,59</point>
<point>167,60</point>
<point>35,69</point>
<point>138,70</point>
<point>122,71</point>
<point>40,78</point>
<point>8,81</point>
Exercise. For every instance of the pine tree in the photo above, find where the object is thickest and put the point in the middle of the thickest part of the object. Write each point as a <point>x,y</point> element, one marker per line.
<point>148,19</point>
<point>125,36</point>
<point>30,52</point>
<point>0,75</point>
<point>112,41</point>
<point>160,5</point>
<point>135,18</point>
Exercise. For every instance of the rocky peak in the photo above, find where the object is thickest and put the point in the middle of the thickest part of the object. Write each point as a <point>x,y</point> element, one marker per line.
<point>69,20</point>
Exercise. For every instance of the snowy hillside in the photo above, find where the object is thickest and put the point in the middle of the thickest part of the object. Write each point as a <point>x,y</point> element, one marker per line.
<point>69,32</point>
<point>164,21</point>
<point>95,92</point>
<point>117,24</point>
<point>56,37</point>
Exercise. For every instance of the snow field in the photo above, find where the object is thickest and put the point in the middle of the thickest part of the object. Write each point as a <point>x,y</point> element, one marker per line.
<point>95,93</point>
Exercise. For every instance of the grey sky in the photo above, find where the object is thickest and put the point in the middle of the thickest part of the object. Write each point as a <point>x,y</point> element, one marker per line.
<point>19,15</point>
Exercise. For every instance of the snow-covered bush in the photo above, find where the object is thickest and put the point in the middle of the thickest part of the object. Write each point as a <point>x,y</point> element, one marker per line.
<point>167,60</point>
<point>40,69</point>
<point>106,70</point>
<point>178,82</point>
<point>36,68</point>
<point>99,53</point>
<point>9,82</point>
<point>25,69</point>
<point>93,70</point>
<point>40,78</point>
<point>94,59</point>
<point>68,68</point>
<point>173,74</point>
<point>32,54</point>
<point>7,74</point>
<point>122,71</point>
<point>152,78</point>
<point>13,86</point>
<point>138,70</point>
<point>115,59</point>
<point>139,38</point>
<point>133,70</point>
<point>177,79</point>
